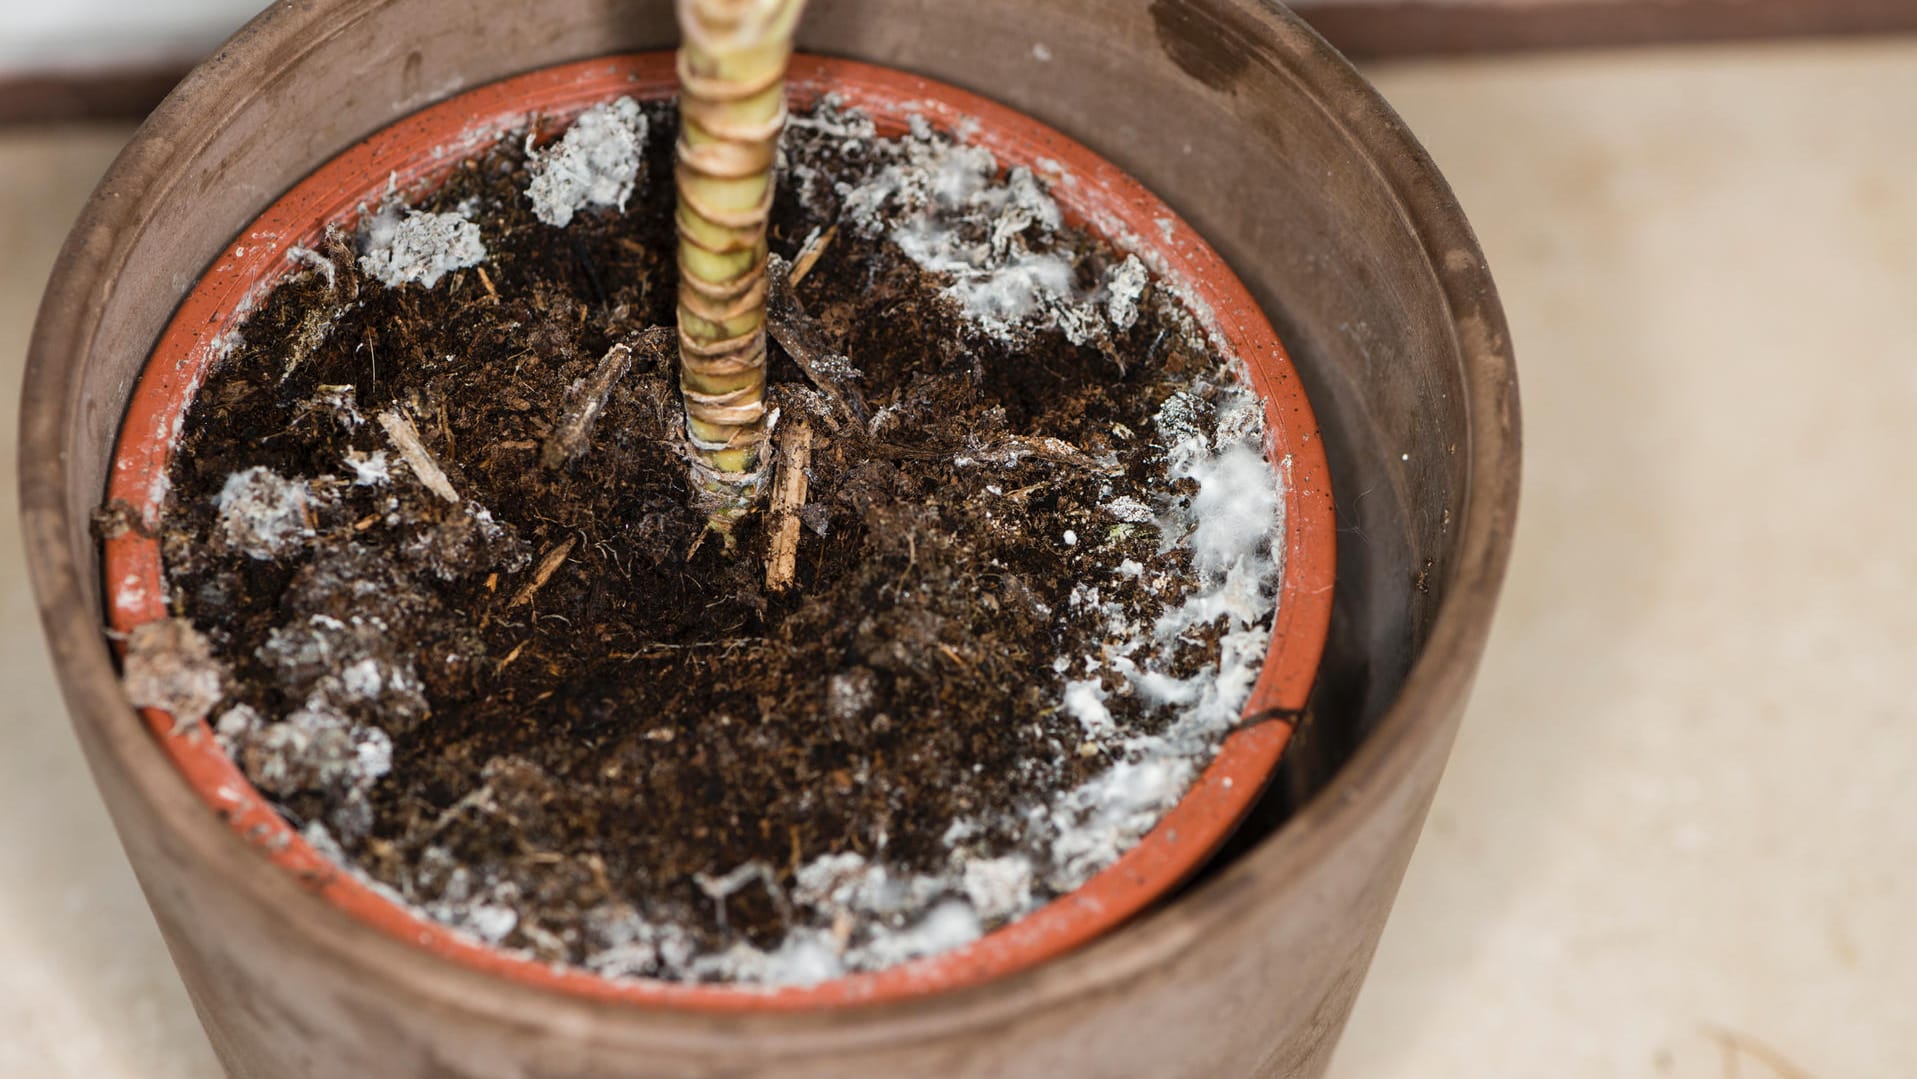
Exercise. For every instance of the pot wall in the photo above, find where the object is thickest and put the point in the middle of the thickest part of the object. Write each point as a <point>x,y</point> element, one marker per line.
<point>1237,116</point>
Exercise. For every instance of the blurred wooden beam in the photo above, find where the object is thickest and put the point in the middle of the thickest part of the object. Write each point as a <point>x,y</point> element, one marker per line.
<point>1364,29</point>
<point>82,96</point>
<point>1398,28</point>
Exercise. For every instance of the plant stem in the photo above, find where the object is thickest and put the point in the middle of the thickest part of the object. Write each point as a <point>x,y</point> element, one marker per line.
<point>732,63</point>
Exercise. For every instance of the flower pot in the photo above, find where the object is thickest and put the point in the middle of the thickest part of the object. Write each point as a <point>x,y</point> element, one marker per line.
<point>414,153</point>
<point>1247,126</point>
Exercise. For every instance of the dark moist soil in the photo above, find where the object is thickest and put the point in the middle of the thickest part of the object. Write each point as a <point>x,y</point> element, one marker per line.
<point>651,715</point>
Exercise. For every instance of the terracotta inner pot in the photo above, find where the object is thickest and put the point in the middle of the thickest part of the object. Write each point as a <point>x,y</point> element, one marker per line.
<point>419,151</point>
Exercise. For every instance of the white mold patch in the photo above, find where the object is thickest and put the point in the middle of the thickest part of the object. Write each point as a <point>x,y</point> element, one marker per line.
<point>596,163</point>
<point>418,248</point>
<point>263,514</point>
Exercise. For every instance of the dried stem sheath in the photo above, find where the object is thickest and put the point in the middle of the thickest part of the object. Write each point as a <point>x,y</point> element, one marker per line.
<point>788,496</point>
<point>805,342</point>
<point>732,64</point>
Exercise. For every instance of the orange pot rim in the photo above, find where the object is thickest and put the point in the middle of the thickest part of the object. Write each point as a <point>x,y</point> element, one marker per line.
<point>418,151</point>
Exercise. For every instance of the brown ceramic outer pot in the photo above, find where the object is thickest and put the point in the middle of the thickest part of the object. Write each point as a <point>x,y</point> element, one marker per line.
<point>1245,123</point>
<point>412,155</point>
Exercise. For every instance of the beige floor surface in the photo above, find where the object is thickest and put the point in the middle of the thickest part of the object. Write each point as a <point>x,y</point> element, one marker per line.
<point>1678,837</point>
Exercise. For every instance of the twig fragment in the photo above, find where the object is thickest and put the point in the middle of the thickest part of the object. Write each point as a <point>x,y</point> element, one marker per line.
<point>549,564</point>
<point>510,656</point>
<point>788,496</point>
<point>571,437</point>
<point>1008,450</point>
<point>808,257</point>
<point>405,438</point>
